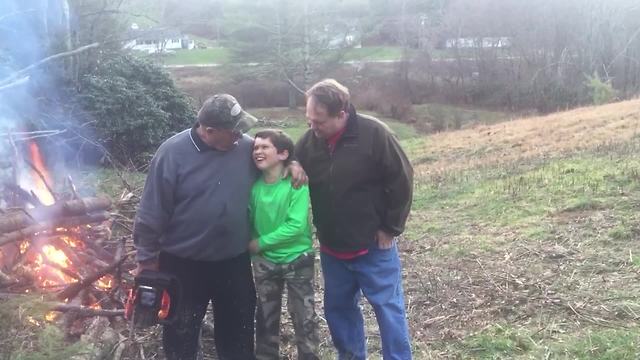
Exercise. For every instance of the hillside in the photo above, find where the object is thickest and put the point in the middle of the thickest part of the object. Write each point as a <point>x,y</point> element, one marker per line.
<point>523,240</point>
<point>511,141</point>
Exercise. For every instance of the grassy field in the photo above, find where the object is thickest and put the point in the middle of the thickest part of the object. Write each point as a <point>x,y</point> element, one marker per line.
<point>522,243</point>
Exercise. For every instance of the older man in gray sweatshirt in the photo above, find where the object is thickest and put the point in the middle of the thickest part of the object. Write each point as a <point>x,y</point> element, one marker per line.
<point>193,222</point>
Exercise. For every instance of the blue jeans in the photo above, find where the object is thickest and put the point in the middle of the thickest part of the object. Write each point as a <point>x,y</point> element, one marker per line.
<point>377,275</point>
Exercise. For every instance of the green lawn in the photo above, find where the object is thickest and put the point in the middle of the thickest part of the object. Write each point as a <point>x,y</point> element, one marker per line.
<point>373,53</point>
<point>214,55</point>
<point>220,55</point>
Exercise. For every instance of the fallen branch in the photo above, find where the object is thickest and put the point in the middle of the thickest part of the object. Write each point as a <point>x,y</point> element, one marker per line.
<point>599,322</point>
<point>86,311</point>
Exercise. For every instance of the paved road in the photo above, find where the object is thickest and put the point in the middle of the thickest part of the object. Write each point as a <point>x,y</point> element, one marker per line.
<point>350,62</point>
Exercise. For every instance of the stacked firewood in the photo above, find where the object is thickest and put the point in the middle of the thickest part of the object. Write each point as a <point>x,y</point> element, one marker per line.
<point>71,243</point>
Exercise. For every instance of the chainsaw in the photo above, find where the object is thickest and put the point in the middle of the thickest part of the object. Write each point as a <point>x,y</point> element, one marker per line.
<point>153,299</point>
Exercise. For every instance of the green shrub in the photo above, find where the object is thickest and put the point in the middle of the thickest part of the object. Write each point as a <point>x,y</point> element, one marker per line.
<point>25,334</point>
<point>602,92</point>
<point>135,106</point>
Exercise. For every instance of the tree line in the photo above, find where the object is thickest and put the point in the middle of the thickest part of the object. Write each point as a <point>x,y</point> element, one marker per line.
<point>554,54</point>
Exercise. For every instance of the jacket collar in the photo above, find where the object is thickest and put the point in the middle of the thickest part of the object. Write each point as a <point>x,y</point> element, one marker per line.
<point>200,145</point>
<point>352,123</point>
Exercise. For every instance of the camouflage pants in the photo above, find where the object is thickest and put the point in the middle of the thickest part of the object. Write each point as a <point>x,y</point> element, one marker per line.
<point>270,280</point>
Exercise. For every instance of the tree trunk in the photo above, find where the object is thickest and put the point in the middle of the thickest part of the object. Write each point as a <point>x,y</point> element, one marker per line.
<point>293,104</point>
<point>307,71</point>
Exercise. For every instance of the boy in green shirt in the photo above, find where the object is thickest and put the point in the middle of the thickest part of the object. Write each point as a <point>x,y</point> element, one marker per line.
<point>283,248</point>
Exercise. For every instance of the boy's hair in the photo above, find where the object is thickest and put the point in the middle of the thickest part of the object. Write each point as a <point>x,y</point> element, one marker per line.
<point>330,93</point>
<point>280,140</point>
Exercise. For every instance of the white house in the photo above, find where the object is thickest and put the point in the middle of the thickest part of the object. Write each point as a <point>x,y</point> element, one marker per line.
<point>158,40</point>
<point>339,36</point>
<point>479,42</point>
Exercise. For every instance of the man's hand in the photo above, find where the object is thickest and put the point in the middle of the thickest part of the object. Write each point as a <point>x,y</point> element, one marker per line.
<point>152,264</point>
<point>254,247</point>
<point>384,239</point>
<point>298,176</point>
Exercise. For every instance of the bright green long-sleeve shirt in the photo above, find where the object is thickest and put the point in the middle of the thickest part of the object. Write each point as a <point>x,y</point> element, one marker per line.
<point>280,218</point>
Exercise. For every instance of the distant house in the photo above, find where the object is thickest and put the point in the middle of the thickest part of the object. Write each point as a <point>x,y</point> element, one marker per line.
<point>339,36</point>
<point>477,42</point>
<point>158,40</point>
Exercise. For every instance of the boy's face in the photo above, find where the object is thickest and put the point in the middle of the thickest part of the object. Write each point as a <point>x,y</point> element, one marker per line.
<point>265,154</point>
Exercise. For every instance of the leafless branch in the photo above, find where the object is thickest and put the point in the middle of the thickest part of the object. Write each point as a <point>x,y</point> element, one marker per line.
<point>293,84</point>
<point>13,84</point>
<point>21,73</point>
<point>119,12</point>
<point>15,13</point>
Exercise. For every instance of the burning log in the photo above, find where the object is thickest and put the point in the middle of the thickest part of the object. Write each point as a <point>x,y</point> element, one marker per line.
<point>29,231</point>
<point>18,220</point>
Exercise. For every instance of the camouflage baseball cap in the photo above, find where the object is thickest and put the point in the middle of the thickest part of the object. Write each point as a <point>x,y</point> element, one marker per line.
<point>224,111</point>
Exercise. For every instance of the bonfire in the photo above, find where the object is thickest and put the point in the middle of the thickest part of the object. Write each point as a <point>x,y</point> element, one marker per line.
<point>61,245</point>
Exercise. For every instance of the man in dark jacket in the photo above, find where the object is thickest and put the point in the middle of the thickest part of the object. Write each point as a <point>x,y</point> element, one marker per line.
<point>361,185</point>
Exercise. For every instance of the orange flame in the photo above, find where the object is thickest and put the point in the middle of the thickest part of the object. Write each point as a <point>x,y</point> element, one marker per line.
<point>24,246</point>
<point>72,241</point>
<point>33,321</point>
<point>50,276</point>
<point>105,282</point>
<point>51,316</point>
<point>55,256</point>
<point>40,188</point>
